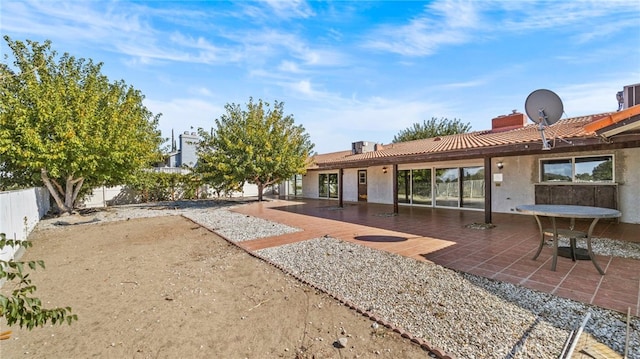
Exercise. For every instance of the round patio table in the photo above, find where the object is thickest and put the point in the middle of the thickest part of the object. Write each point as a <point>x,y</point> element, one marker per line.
<point>553,211</point>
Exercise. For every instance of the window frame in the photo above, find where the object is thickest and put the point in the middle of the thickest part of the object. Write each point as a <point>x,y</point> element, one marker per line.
<point>362,179</point>
<point>330,184</point>
<point>572,162</point>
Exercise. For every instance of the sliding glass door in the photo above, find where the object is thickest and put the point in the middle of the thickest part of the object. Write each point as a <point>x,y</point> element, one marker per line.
<point>473,187</point>
<point>455,187</point>
<point>328,185</point>
<point>414,186</point>
<point>447,187</point>
<point>295,186</point>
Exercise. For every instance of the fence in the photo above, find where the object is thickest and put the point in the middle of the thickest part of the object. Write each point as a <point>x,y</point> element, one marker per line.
<point>20,211</point>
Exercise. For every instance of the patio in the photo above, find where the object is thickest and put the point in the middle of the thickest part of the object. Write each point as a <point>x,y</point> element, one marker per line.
<point>441,236</point>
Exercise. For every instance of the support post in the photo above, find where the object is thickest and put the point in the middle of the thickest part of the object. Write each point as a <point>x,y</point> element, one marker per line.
<point>394,178</point>
<point>487,190</point>
<point>340,186</point>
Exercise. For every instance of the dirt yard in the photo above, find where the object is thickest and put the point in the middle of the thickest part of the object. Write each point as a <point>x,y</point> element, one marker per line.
<point>165,287</point>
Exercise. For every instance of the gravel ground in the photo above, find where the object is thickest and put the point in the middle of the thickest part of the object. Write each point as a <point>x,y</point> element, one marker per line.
<point>212,214</point>
<point>465,315</point>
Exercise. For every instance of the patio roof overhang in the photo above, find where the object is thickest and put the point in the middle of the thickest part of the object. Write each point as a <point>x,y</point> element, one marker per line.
<point>616,122</point>
<point>618,141</point>
<point>625,126</point>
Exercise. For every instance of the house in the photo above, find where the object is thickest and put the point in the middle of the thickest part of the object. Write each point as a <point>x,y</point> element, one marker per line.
<point>186,155</point>
<point>589,160</point>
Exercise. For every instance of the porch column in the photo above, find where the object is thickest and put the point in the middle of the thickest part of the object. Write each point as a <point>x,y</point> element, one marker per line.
<point>340,185</point>
<point>394,178</point>
<point>487,190</point>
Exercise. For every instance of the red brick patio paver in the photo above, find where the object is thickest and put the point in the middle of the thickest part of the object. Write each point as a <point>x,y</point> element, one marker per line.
<point>439,236</point>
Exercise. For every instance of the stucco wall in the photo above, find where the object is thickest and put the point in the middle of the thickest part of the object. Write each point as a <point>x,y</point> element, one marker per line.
<point>380,185</point>
<point>628,165</point>
<point>517,183</point>
<point>521,173</point>
<point>350,185</point>
<point>310,184</point>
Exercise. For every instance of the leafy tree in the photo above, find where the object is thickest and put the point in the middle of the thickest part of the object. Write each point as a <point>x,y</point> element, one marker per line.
<point>257,145</point>
<point>222,183</point>
<point>432,128</point>
<point>21,308</point>
<point>65,126</point>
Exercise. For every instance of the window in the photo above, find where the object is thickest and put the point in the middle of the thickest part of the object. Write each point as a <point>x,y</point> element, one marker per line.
<point>556,170</point>
<point>362,177</point>
<point>594,169</point>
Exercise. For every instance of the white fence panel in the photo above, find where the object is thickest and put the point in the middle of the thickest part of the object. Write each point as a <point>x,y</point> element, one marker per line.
<point>20,211</point>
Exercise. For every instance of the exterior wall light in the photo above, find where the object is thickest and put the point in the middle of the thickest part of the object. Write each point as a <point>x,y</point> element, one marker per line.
<point>384,169</point>
<point>500,165</point>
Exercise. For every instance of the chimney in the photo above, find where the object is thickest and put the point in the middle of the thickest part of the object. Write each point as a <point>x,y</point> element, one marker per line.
<point>508,122</point>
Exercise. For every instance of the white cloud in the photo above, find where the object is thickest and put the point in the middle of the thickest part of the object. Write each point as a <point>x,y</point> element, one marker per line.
<point>291,8</point>
<point>289,66</point>
<point>592,97</point>
<point>335,127</point>
<point>466,84</point>
<point>201,91</point>
<point>440,24</point>
<point>453,22</point>
<point>303,87</point>
<point>265,44</point>
<point>588,20</point>
<point>72,20</point>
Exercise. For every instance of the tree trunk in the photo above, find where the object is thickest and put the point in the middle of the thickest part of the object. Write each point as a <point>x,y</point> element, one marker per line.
<point>70,193</point>
<point>260,189</point>
<point>53,192</point>
<point>78,184</point>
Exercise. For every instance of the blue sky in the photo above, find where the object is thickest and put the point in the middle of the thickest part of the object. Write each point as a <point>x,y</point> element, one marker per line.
<point>347,71</point>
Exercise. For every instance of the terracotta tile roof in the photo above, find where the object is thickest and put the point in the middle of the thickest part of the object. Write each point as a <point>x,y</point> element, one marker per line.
<point>327,158</point>
<point>566,129</point>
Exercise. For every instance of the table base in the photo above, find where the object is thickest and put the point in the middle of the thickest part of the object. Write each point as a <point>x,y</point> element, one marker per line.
<point>580,253</point>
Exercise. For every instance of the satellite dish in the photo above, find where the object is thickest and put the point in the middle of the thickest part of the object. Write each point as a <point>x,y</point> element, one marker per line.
<point>545,108</point>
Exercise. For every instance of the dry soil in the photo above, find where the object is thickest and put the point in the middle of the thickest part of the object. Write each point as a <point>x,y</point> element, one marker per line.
<point>165,287</point>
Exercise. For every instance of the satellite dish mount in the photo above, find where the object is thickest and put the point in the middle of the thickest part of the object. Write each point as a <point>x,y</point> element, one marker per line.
<point>544,108</point>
